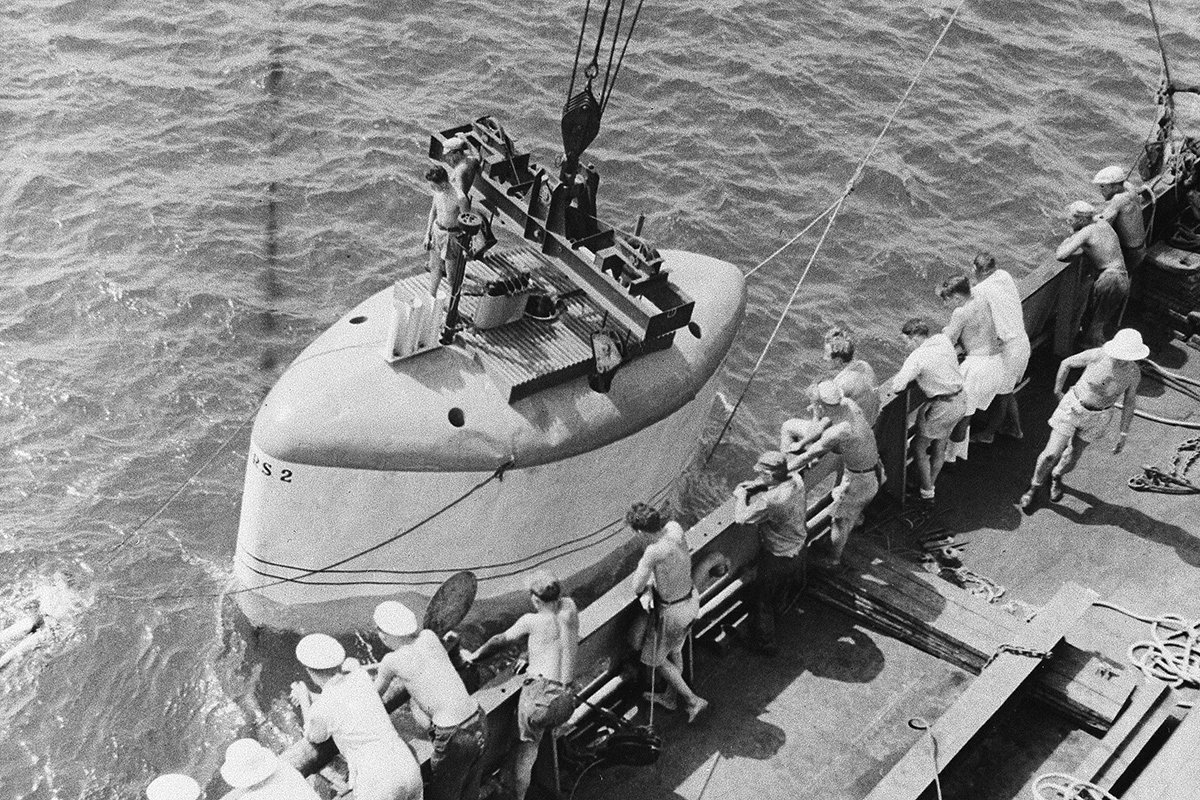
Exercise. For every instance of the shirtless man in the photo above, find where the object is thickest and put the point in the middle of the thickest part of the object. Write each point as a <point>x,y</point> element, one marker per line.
<point>971,328</point>
<point>1110,373</point>
<point>668,563</point>
<point>439,700</point>
<point>552,632</point>
<point>350,711</point>
<point>855,377</point>
<point>447,204</point>
<point>1097,240</point>
<point>464,167</point>
<point>847,433</point>
<point>1123,211</point>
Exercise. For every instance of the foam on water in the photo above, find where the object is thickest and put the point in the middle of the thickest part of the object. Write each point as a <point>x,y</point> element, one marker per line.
<point>147,302</point>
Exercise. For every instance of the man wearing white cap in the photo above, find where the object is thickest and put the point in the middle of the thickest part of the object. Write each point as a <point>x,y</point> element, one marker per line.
<point>173,787</point>
<point>262,775</point>
<point>457,725</point>
<point>1110,373</point>
<point>848,434</point>
<point>1122,211</point>
<point>776,503</point>
<point>552,634</point>
<point>349,710</point>
<point>1097,240</point>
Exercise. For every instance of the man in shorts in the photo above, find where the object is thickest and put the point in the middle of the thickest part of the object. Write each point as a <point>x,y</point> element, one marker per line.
<point>1098,242</point>
<point>667,564</point>
<point>847,433</point>
<point>447,203</point>
<point>1123,211</point>
<point>776,503</point>
<point>552,633</point>
<point>933,364</point>
<point>1110,373</point>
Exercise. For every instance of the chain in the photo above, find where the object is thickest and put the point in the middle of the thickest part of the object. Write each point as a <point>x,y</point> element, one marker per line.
<point>1016,650</point>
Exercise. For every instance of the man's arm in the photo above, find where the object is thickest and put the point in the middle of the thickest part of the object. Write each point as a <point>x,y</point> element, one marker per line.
<point>1070,245</point>
<point>908,373</point>
<point>1127,411</point>
<point>645,569</point>
<point>385,675</point>
<point>1112,208</point>
<point>568,629</point>
<point>748,512</point>
<point>429,225</point>
<point>518,631</point>
<point>954,328</point>
<point>825,444</point>
<point>1077,361</point>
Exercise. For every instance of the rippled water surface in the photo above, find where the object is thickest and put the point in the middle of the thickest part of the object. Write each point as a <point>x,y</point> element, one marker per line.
<point>148,297</point>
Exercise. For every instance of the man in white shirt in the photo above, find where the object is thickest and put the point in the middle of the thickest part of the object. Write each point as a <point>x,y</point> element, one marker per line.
<point>933,364</point>
<point>349,710</point>
<point>457,725</point>
<point>262,775</point>
<point>999,291</point>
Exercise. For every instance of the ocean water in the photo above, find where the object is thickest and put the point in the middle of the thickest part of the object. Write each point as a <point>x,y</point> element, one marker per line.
<point>191,191</point>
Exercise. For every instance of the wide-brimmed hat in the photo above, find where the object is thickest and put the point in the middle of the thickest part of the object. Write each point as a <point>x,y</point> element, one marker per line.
<point>395,619</point>
<point>173,786</point>
<point>1127,345</point>
<point>1113,174</point>
<point>248,763</point>
<point>319,651</point>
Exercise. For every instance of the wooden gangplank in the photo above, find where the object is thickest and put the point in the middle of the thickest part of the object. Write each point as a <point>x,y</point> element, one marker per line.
<point>1113,756</point>
<point>986,694</point>
<point>902,600</point>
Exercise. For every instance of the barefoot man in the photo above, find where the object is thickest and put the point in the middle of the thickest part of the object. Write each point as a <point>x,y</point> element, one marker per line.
<point>1110,373</point>
<point>552,632</point>
<point>447,203</point>
<point>439,700</point>
<point>668,564</point>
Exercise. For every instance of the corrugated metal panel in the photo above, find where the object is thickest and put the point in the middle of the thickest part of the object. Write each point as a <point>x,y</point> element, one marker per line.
<point>528,355</point>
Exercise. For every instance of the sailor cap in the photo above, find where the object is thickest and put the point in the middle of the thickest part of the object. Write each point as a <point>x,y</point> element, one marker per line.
<point>1113,174</point>
<point>173,786</point>
<point>395,619</point>
<point>319,651</point>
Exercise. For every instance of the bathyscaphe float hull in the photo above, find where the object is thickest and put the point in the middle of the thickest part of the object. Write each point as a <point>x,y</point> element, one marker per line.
<point>351,453</point>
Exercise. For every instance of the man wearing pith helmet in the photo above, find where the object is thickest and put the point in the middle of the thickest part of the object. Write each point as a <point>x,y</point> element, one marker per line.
<point>350,711</point>
<point>439,700</point>
<point>1123,211</point>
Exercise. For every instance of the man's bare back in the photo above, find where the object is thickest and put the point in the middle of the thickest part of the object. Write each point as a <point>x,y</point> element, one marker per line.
<point>1099,243</point>
<point>424,669</point>
<point>547,656</point>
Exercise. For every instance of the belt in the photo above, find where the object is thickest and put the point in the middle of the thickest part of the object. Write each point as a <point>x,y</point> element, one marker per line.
<point>550,681</point>
<point>666,603</point>
<point>863,471</point>
<point>1086,407</point>
<point>451,229</point>
<point>435,728</point>
<point>946,396</point>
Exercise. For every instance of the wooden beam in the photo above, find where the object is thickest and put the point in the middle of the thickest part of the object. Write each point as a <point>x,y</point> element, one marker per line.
<point>986,694</point>
<point>1112,756</point>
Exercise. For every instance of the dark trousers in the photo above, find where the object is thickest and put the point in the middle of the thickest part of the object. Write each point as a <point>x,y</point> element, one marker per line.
<point>779,581</point>
<point>456,766</point>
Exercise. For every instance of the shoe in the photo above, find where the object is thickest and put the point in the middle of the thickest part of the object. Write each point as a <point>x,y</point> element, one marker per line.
<point>662,699</point>
<point>1056,489</point>
<point>1028,500</point>
<point>696,708</point>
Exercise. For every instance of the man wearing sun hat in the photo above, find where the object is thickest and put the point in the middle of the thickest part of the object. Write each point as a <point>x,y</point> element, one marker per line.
<point>173,787</point>
<point>349,710</point>
<point>262,775</point>
<point>1110,374</point>
<point>552,635</point>
<point>457,725</point>
<point>1098,242</point>
<point>463,167</point>
<point>1122,211</point>
<point>774,502</point>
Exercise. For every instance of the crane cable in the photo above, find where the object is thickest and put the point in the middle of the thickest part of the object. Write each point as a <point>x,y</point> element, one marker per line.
<point>833,211</point>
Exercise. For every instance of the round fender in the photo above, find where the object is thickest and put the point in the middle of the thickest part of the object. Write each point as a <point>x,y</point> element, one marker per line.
<point>709,569</point>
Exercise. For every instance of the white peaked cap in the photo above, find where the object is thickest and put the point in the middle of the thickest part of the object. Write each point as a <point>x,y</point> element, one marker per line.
<point>1126,345</point>
<point>173,787</point>
<point>248,763</point>
<point>1113,174</point>
<point>1081,208</point>
<point>319,651</point>
<point>395,618</point>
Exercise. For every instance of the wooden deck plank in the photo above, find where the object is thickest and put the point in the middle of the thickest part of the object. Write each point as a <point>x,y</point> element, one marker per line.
<point>1108,760</point>
<point>986,694</point>
<point>1173,774</point>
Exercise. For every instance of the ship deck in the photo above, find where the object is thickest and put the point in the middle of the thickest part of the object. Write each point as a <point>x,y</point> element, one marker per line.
<point>827,717</point>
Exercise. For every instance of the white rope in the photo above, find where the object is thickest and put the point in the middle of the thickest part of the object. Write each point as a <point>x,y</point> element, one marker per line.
<point>1061,786</point>
<point>1171,654</point>
<point>795,238</point>
<point>833,211</point>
